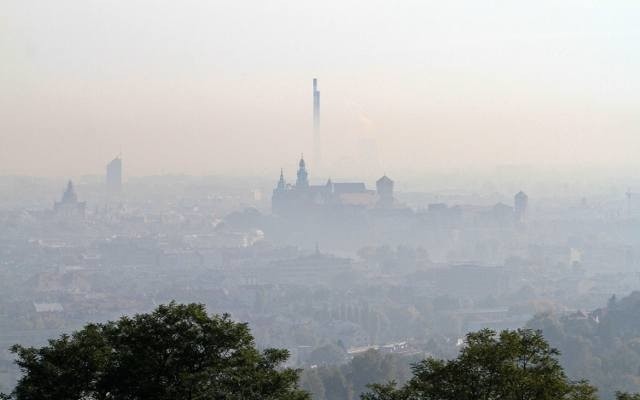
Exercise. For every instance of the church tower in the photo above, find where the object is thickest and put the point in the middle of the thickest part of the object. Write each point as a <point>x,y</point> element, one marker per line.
<point>384,188</point>
<point>281,183</point>
<point>279,197</point>
<point>302,182</point>
<point>69,206</point>
<point>69,196</point>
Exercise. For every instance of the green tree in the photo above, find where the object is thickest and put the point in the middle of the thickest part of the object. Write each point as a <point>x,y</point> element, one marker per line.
<point>371,367</point>
<point>512,365</point>
<point>626,396</point>
<point>311,382</point>
<point>175,352</point>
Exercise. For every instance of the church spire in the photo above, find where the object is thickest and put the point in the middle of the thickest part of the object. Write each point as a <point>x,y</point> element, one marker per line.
<point>69,195</point>
<point>303,179</point>
<point>281,183</point>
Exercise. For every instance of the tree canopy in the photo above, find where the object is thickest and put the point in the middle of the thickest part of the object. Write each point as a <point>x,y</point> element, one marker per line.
<point>181,352</point>
<point>175,352</point>
<point>511,365</point>
<point>602,346</point>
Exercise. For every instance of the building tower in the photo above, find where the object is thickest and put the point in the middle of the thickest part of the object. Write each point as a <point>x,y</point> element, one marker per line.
<point>69,206</point>
<point>114,177</point>
<point>520,203</point>
<point>384,188</point>
<point>282,185</point>
<point>69,196</point>
<point>317,151</point>
<point>278,199</point>
<point>302,181</point>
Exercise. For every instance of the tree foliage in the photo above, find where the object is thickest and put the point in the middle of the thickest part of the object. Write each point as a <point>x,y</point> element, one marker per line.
<point>349,380</point>
<point>511,365</point>
<point>627,396</point>
<point>602,346</point>
<point>175,352</point>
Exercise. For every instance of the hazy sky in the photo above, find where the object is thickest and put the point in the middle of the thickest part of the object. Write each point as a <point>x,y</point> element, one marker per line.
<point>206,87</point>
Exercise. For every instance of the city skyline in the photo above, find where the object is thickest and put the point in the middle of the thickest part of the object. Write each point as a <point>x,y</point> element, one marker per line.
<point>333,200</point>
<point>413,86</point>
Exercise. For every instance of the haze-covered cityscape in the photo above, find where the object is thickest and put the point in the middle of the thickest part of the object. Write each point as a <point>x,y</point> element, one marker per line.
<point>437,198</point>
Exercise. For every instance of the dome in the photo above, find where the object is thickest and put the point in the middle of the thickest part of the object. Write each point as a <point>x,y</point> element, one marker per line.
<point>521,195</point>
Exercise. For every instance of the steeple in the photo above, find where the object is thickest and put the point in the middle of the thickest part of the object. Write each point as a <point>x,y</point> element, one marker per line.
<point>69,195</point>
<point>281,183</point>
<point>69,204</point>
<point>303,180</point>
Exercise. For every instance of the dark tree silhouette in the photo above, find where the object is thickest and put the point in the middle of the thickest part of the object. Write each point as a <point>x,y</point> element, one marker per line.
<point>175,352</point>
<point>512,365</point>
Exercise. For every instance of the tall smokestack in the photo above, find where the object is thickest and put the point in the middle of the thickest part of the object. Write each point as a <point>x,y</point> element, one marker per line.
<point>316,125</point>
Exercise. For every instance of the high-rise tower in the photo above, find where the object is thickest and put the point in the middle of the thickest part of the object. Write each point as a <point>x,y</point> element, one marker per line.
<point>114,177</point>
<point>317,153</point>
<point>521,201</point>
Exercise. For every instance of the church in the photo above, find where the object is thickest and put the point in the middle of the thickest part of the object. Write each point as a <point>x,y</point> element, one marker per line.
<point>69,206</point>
<point>302,197</point>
